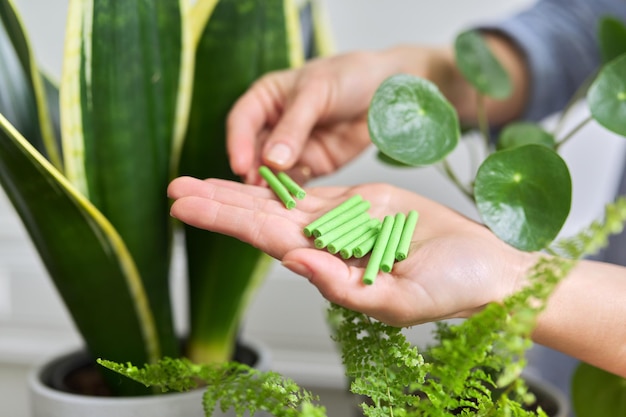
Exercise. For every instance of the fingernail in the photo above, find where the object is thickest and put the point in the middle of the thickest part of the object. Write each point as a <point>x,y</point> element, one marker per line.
<point>298,268</point>
<point>279,154</point>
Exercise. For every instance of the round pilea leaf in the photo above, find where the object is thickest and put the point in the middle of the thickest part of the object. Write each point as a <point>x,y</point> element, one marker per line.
<point>480,67</point>
<point>607,96</point>
<point>411,122</point>
<point>524,195</point>
<point>524,133</point>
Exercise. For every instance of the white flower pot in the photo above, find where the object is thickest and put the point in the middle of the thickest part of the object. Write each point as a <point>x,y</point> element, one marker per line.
<point>47,401</point>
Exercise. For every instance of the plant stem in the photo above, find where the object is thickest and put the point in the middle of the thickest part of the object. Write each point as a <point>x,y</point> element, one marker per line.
<point>572,132</point>
<point>483,122</point>
<point>579,94</point>
<point>455,179</point>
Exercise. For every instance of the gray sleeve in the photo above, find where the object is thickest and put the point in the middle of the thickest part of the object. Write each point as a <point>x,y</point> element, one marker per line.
<point>559,40</point>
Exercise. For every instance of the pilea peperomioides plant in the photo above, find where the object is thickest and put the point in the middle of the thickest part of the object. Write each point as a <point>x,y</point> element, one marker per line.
<point>143,97</point>
<point>522,189</point>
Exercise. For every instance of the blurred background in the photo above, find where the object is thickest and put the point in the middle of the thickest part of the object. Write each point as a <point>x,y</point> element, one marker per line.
<point>288,314</point>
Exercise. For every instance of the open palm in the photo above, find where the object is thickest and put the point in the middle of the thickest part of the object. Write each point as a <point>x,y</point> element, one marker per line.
<point>455,266</point>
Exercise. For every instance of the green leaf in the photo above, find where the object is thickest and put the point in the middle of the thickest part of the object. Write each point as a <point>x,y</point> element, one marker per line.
<point>480,67</point>
<point>598,393</point>
<point>54,109</point>
<point>524,133</point>
<point>85,257</point>
<point>410,121</point>
<point>607,96</point>
<point>23,94</point>
<point>524,195</point>
<point>612,37</point>
<point>119,95</point>
<point>241,41</point>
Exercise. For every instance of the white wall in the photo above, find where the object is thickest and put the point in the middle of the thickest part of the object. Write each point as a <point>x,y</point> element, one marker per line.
<point>288,313</point>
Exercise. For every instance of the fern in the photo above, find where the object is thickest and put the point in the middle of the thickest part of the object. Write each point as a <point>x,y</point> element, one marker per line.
<point>380,362</point>
<point>230,385</point>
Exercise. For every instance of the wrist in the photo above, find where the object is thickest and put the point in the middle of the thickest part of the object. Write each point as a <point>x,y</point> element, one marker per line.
<point>516,266</point>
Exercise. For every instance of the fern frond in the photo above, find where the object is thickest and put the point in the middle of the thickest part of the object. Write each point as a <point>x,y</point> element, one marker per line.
<point>230,386</point>
<point>379,360</point>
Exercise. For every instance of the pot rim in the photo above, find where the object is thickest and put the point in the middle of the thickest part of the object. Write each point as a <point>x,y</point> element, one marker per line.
<point>38,377</point>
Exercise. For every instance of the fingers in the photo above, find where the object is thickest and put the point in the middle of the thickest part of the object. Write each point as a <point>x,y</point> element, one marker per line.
<point>250,213</point>
<point>233,194</point>
<point>272,123</point>
<point>285,144</point>
<point>251,115</point>
<point>187,186</point>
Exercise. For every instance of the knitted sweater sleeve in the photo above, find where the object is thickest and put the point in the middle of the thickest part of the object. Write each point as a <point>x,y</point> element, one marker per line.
<point>560,43</point>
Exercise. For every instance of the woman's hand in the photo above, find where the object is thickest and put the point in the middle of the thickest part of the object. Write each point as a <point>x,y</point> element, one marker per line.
<point>307,121</point>
<point>455,266</point>
<point>313,120</point>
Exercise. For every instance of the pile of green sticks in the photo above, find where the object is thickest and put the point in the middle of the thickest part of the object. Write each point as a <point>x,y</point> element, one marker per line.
<point>349,230</point>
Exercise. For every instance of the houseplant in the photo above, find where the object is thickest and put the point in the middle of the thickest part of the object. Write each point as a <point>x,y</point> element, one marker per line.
<point>496,338</point>
<point>143,96</point>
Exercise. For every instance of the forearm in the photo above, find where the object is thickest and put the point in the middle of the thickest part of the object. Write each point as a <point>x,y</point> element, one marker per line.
<point>585,316</point>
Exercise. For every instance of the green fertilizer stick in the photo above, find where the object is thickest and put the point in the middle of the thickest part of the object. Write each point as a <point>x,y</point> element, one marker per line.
<point>339,231</point>
<point>346,205</point>
<point>279,189</point>
<point>389,256</point>
<point>373,265</point>
<point>360,207</point>
<point>407,234</point>
<point>291,185</point>
<point>339,243</point>
<point>357,246</point>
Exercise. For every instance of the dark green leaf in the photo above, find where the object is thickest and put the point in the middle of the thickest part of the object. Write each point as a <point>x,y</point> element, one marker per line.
<point>127,74</point>
<point>524,133</point>
<point>480,67</point>
<point>16,36</point>
<point>410,121</point>
<point>22,96</point>
<point>607,96</point>
<point>598,393</point>
<point>54,107</point>
<point>241,41</point>
<point>524,195</point>
<point>612,37</point>
<point>88,263</point>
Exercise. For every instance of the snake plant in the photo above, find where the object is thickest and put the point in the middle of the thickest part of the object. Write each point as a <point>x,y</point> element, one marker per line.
<point>143,95</point>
